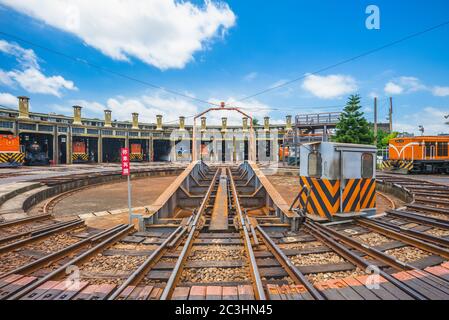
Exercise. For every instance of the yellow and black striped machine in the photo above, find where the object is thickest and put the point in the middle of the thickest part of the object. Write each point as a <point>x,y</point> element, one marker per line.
<point>11,154</point>
<point>338,180</point>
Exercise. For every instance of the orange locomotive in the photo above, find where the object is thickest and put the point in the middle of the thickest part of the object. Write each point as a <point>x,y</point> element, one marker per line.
<point>10,151</point>
<point>79,154</point>
<point>136,154</point>
<point>425,154</point>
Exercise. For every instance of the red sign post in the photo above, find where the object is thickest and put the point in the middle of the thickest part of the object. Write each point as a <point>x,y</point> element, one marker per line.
<point>125,161</point>
<point>126,170</point>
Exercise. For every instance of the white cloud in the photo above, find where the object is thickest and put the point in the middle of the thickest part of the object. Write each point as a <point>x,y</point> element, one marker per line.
<point>34,81</point>
<point>251,107</point>
<point>412,84</point>
<point>431,118</point>
<point>8,100</point>
<point>163,33</point>
<point>373,94</point>
<point>404,85</point>
<point>6,79</point>
<point>25,57</point>
<point>393,88</point>
<point>148,106</point>
<point>331,86</point>
<point>152,104</point>
<point>440,91</point>
<point>250,76</point>
<point>278,83</point>
<point>29,75</point>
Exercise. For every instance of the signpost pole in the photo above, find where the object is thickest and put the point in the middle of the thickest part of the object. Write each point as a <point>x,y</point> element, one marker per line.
<point>129,199</point>
<point>126,171</point>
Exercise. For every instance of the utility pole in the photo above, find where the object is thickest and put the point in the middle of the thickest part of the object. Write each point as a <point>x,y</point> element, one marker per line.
<point>375,120</point>
<point>390,117</point>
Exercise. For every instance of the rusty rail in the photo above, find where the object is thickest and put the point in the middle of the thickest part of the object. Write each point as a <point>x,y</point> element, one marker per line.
<point>368,223</point>
<point>52,257</point>
<point>122,231</point>
<point>345,252</point>
<point>24,220</point>
<point>138,274</point>
<point>257,281</point>
<point>297,276</point>
<point>194,230</point>
<point>38,234</point>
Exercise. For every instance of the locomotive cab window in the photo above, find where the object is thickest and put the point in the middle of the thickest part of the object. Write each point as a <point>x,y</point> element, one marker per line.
<point>314,165</point>
<point>442,149</point>
<point>367,165</point>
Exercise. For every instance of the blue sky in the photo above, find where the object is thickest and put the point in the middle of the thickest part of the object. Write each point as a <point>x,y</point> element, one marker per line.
<point>225,51</point>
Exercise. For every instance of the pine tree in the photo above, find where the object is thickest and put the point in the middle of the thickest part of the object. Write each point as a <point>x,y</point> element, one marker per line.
<point>352,126</point>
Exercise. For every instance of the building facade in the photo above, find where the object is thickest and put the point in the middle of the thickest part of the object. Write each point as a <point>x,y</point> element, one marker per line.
<point>75,139</point>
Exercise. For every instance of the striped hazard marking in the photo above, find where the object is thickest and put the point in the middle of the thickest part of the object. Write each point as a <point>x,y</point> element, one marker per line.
<point>359,194</point>
<point>136,157</point>
<point>406,165</point>
<point>12,157</point>
<point>80,157</point>
<point>367,193</point>
<point>324,196</point>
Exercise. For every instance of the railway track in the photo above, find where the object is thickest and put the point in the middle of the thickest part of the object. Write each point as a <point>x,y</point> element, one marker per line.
<point>429,199</point>
<point>228,248</point>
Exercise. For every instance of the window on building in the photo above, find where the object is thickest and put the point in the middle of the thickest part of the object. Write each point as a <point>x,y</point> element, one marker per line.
<point>6,124</point>
<point>442,149</point>
<point>92,131</point>
<point>78,130</point>
<point>107,132</point>
<point>314,164</point>
<point>367,166</point>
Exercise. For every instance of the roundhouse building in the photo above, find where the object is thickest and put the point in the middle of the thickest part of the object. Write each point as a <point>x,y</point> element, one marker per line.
<point>71,139</point>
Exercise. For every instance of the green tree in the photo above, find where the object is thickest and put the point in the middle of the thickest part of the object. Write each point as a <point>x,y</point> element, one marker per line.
<point>255,122</point>
<point>384,137</point>
<point>352,126</point>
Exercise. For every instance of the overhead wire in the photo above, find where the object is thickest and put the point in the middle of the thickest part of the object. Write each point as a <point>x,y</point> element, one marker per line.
<point>364,54</point>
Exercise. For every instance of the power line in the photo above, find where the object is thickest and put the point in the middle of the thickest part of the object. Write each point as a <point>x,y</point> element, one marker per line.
<point>118,74</point>
<point>413,35</point>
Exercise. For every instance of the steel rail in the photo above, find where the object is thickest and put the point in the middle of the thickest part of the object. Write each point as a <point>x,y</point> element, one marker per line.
<point>253,231</point>
<point>432,201</point>
<point>381,256</point>
<point>359,261</point>
<point>433,195</point>
<point>403,237</point>
<point>24,220</point>
<point>413,233</point>
<point>143,269</point>
<point>429,209</point>
<point>427,220</point>
<point>177,270</point>
<point>297,276</point>
<point>383,195</point>
<point>255,275</point>
<point>35,231</point>
<point>42,235</point>
<point>20,292</point>
<point>373,252</point>
<point>184,229</point>
<point>52,257</point>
